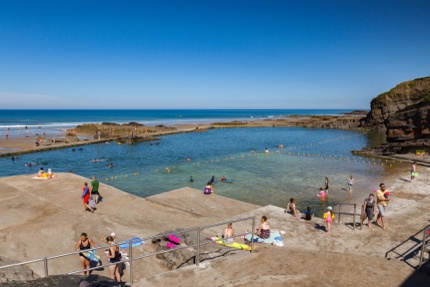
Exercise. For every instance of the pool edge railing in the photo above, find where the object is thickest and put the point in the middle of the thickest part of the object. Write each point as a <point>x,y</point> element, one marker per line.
<point>131,259</point>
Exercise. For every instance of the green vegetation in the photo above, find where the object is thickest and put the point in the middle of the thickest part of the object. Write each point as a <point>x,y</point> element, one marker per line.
<point>426,97</point>
<point>412,84</point>
<point>385,94</point>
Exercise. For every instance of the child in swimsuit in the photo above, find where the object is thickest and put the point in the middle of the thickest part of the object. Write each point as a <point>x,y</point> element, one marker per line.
<point>322,193</point>
<point>329,216</point>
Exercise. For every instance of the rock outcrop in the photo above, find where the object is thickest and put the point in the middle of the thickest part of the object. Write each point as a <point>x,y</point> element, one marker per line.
<point>113,130</point>
<point>404,114</point>
<point>342,122</point>
<point>401,97</point>
<point>64,281</point>
<point>13,274</point>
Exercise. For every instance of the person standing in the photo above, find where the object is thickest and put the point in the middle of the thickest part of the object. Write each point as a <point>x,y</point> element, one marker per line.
<point>84,243</point>
<point>322,194</point>
<point>328,218</point>
<point>382,203</point>
<point>114,258</point>
<point>350,183</point>
<point>413,170</point>
<point>95,189</point>
<point>369,210</point>
<point>86,197</point>
<point>326,185</point>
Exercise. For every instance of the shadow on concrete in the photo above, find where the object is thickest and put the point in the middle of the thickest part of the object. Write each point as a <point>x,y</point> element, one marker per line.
<point>320,227</point>
<point>407,250</point>
<point>96,280</point>
<point>350,225</point>
<point>418,278</point>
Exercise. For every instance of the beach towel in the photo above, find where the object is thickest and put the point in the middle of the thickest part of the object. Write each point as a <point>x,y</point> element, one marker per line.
<point>36,177</point>
<point>170,245</point>
<point>91,255</point>
<point>136,241</point>
<point>45,176</point>
<point>273,234</point>
<point>174,238</point>
<point>233,245</point>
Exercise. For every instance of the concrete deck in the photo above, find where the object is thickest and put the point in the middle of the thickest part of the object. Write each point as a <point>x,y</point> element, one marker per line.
<point>45,217</point>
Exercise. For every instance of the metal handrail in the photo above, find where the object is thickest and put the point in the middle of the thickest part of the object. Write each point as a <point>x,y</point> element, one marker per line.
<point>131,258</point>
<point>423,248</point>
<point>348,213</point>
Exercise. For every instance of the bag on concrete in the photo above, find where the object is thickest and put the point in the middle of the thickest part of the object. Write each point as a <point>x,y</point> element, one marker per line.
<point>278,241</point>
<point>92,203</point>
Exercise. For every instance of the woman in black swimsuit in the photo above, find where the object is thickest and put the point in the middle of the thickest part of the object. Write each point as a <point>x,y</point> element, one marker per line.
<point>114,257</point>
<point>369,209</point>
<point>326,184</point>
<point>84,243</point>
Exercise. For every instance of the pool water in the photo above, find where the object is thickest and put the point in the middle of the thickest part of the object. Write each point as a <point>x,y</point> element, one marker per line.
<point>297,170</point>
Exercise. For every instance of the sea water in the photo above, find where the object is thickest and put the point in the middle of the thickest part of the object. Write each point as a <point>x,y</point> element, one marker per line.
<point>297,170</point>
<point>52,122</point>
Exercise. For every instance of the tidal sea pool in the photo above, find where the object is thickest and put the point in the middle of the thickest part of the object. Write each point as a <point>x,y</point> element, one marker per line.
<point>297,170</point>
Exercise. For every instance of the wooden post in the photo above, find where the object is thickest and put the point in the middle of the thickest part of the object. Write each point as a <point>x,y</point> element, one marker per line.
<point>338,219</point>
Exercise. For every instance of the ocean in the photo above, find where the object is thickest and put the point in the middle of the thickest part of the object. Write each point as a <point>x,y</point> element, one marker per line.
<point>63,119</point>
<point>297,170</point>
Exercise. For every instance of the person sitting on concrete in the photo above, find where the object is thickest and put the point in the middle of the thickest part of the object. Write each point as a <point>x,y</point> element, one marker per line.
<point>308,214</point>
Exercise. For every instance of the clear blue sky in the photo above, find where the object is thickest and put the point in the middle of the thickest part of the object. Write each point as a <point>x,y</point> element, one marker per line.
<point>209,54</point>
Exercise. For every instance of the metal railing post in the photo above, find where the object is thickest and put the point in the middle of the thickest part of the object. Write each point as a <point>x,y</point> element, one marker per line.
<point>45,265</point>
<point>198,247</point>
<point>423,248</point>
<point>130,261</point>
<point>252,236</point>
<point>353,220</point>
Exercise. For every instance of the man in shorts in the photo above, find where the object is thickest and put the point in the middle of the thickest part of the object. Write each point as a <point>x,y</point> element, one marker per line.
<point>95,189</point>
<point>382,203</point>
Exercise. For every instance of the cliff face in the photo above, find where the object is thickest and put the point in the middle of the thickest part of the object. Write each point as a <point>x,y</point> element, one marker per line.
<point>404,113</point>
<point>404,95</point>
<point>411,123</point>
